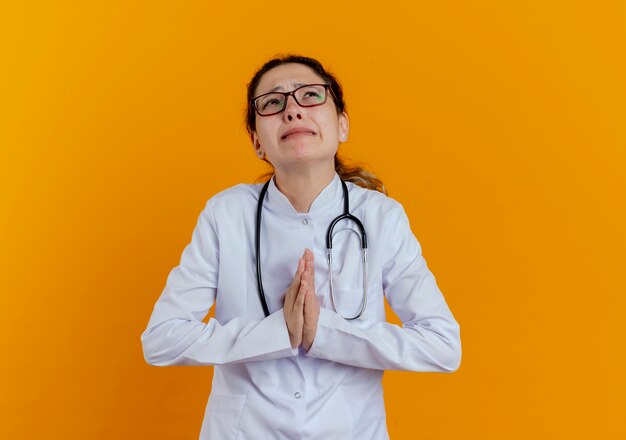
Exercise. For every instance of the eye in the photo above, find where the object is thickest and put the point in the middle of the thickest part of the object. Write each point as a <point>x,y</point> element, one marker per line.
<point>270,103</point>
<point>312,95</point>
<point>273,102</point>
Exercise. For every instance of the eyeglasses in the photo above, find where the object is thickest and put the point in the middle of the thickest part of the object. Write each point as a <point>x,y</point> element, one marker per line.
<point>308,95</point>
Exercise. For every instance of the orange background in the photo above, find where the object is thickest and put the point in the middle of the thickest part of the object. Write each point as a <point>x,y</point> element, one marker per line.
<point>500,126</point>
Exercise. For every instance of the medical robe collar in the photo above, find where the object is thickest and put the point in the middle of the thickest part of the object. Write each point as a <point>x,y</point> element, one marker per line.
<point>329,198</point>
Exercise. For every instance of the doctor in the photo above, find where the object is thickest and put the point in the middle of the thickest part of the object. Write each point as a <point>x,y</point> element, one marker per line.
<point>300,367</point>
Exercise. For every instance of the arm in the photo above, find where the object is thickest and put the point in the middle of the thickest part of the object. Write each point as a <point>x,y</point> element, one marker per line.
<point>428,339</point>
<point>176,335</point>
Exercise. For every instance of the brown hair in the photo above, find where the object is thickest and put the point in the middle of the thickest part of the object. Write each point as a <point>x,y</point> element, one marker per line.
<point>348,171</point>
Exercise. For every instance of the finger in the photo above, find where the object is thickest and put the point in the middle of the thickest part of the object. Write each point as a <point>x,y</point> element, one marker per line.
<point>310,265</point>
<point>312,268</point>
<point>309,300</point>
<point>308,255</point>
<point>292,290</point>
<point>302,292</point>
<point>306,301</point>
<point>296,277</point>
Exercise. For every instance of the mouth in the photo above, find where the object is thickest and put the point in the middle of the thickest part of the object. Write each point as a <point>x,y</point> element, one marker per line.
<point>297,134</point>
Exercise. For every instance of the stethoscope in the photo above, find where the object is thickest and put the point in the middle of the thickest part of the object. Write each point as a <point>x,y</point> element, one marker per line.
<point>329,251</point>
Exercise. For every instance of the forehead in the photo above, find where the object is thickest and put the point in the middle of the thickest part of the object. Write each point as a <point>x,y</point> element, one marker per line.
<point>287,77</point>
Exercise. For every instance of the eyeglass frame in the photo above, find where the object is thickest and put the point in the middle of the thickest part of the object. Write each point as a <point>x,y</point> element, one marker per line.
<point>327,89</point>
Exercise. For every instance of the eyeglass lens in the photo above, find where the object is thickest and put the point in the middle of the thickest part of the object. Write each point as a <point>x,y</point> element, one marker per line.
<point>306,96</point>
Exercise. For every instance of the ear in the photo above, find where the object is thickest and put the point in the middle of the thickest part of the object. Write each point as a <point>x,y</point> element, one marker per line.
<point>257,145</point>
<point>344,127</point>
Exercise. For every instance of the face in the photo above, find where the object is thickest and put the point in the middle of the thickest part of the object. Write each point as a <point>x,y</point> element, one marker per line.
<point>298,136</point>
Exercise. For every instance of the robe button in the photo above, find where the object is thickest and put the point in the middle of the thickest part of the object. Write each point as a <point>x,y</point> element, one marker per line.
<point>297,395</point>
<point>305,221</point>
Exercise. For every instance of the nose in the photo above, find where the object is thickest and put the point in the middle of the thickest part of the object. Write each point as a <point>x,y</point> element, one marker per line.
<point>292,109</point>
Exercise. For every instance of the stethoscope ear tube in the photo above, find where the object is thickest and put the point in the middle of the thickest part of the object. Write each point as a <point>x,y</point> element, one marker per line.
<point>257,244</point>
<point>346,215</point>
<point>331,227</point>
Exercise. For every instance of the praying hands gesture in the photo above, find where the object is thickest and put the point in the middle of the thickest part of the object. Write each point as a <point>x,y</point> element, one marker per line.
<point>301,307</point>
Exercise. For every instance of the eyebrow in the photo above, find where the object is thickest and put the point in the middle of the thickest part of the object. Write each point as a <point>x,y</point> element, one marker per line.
<point>277,88</point>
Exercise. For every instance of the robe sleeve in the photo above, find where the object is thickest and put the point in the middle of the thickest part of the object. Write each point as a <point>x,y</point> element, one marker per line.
<point>176,334</point>
<point>429,337</point>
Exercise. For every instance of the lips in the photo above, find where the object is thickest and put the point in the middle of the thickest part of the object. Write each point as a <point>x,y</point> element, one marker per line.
<point>297,131</point>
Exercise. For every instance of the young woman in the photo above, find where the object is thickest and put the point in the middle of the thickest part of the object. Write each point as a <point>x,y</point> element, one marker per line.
<point>299,340</point>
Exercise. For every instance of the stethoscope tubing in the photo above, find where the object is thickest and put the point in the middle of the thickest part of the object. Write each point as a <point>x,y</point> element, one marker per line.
<point>257,244</point>
<point>329,250</point>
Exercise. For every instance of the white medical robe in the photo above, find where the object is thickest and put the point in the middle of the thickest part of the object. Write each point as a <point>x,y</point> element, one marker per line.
<point>264,389</point>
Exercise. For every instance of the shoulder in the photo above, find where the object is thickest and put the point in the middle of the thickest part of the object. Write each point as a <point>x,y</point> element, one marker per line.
<point>374,202</point>
<point>234,199</point>
<point>380,212</point>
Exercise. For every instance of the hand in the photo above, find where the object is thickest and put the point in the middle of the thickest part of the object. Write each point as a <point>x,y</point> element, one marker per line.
<point>294,305</point>
<point>311,305</point>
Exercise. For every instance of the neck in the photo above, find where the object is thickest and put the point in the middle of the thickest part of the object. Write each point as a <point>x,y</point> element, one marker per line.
<point>301,188</point>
